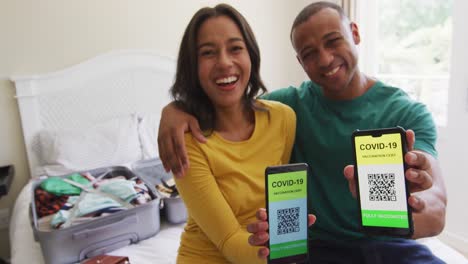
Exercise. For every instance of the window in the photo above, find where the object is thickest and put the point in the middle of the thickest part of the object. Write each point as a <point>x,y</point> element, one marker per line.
<point>406,43</point>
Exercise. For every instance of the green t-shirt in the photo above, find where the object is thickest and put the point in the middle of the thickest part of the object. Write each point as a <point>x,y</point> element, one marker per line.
<point>323,140</point>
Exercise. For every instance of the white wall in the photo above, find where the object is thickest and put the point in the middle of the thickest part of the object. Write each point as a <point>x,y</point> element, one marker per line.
<point>48,35</point>
<point>454,146</point>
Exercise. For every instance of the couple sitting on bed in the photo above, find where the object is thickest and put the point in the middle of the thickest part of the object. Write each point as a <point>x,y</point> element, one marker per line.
<point>235,136</point>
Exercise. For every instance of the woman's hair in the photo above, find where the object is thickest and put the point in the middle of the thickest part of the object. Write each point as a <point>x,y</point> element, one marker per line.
<point>187,91</point>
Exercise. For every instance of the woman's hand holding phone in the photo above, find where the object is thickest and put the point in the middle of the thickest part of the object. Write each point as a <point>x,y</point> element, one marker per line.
<point>260,234</point>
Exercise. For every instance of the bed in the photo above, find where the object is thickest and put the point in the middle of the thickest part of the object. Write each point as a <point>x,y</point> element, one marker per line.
<point>129,86</point>
<point>120,91</point>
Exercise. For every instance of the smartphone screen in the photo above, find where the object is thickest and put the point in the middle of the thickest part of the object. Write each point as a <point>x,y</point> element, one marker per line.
<point>286,196</point>
<point>381,185</point>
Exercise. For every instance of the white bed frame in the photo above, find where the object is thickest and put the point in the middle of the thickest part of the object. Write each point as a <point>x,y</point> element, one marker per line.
<point>111,85</point>
<point>115,84</point>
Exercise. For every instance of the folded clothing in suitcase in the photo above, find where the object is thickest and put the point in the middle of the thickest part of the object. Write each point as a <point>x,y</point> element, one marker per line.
<point>152,171</point>
<point>96,216</point>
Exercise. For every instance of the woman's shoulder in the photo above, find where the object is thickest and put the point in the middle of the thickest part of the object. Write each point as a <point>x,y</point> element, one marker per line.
<point>192,143</point>
<point>189,139</point>
<point>275,107</point>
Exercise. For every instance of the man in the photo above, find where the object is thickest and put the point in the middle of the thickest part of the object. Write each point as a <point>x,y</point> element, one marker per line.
<point>338,100</point>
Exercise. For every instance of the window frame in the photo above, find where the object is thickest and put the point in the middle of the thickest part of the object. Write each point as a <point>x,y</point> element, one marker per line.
<point>368,49</point>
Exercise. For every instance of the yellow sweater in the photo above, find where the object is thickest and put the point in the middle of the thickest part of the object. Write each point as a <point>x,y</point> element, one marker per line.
<point>225,185</point>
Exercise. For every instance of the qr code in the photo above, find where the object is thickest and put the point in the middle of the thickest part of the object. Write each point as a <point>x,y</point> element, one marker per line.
<point>288,220</point>
<point>382,187</point>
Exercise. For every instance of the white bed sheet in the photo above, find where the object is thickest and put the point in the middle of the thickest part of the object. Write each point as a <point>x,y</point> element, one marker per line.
<point>161,249</point>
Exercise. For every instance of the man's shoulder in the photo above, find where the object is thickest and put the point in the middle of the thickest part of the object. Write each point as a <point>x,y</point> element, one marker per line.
<point>290,94</point>
<point>278,94</point>
<point>401,109</point>
<point>396,93</point>
<point>393,101</point>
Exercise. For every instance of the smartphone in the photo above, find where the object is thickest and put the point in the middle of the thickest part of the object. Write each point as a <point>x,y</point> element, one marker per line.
<point>382,189</point>
<point>287,203</point>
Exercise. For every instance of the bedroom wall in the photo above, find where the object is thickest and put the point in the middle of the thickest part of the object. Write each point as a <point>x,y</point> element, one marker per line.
<point>453,149</point>
<point>48,35</point>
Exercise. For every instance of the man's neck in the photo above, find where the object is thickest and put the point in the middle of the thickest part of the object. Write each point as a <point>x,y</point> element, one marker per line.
<point>358,86</point>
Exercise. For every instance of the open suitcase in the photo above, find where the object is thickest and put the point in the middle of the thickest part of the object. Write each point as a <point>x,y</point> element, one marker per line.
<point>153,173</point>
<point>75,243</point>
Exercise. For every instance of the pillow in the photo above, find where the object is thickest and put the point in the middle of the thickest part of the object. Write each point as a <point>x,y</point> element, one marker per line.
<point>148,133</point>
<point>114,142</point>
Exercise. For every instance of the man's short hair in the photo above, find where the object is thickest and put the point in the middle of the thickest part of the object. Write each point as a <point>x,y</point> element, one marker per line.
<point>313,9</point>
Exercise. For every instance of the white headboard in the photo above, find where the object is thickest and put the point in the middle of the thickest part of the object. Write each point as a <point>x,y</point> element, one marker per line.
<point>111,85</point>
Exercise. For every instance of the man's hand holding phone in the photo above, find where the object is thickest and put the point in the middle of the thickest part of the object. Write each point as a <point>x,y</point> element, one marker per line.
<point>382,190</point>
<point>425,187</point>
<point>419,174</point>
<point>259,230</point>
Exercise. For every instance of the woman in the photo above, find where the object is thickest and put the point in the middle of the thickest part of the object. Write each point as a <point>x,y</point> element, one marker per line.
<point>217,81</point>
